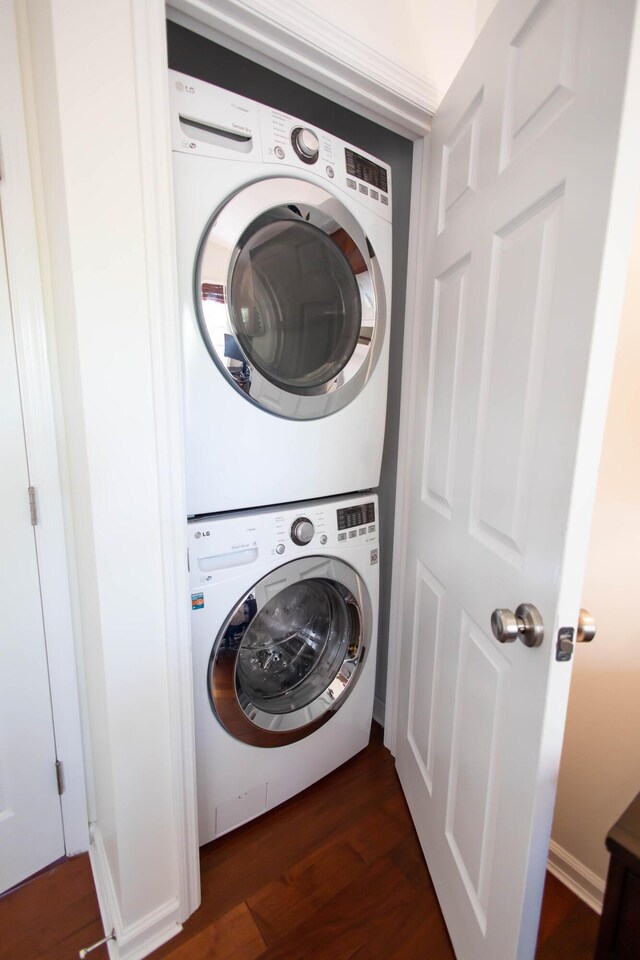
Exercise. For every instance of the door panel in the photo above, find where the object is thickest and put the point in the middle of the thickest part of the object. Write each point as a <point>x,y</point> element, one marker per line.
<point>522,282</point>
<point>425,661</point>
<point>30,816</point>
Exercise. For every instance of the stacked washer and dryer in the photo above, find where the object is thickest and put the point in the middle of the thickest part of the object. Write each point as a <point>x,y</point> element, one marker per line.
<point>284,259</point>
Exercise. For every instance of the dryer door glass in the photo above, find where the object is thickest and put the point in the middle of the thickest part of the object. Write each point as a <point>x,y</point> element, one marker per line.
<point>289,298</point>
<point>294,647</point>
<point>294,302</point>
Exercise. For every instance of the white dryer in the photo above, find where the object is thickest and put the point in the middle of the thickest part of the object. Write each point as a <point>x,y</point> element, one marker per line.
<point>284,627</point>
<point>284,259</point>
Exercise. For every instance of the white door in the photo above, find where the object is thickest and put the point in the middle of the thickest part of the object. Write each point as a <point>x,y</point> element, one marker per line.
<point>30,815</point>
<point>529,201</point>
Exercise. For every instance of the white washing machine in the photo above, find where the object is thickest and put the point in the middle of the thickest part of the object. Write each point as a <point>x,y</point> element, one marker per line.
<point>284,259</point>
<point>284,626</point>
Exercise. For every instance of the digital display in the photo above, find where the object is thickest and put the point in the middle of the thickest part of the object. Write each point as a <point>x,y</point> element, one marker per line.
<point>366,170</point>
<point>356,516</point>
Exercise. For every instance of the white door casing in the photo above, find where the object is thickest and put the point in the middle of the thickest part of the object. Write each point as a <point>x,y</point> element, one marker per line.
<point>529,204</point>
<point>31,834</point>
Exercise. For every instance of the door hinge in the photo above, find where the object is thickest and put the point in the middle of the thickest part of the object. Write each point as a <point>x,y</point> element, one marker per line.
<point>32,506</point>
<point>60,777</point>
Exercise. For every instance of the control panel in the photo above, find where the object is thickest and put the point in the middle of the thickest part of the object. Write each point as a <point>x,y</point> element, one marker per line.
<point>288,141</point>
<point>322,524</point>
<point>211,122</point>
<point>219,546</point>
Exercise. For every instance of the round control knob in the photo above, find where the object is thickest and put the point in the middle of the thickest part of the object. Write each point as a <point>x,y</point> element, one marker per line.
<point>280,548</point>
<point>302,531</point>
<point>306,144</point>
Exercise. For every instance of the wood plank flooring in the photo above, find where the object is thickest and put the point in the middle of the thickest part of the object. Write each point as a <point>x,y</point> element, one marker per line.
<point>336,873</point>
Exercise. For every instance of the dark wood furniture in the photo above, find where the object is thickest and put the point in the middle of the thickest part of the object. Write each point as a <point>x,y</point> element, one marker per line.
<point>619,936</point>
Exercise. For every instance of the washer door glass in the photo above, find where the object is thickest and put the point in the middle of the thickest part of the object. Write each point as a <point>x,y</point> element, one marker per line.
<point>295,646</point>
<point>294,302</point>
<point>290,651</point>
<point>289,298</point>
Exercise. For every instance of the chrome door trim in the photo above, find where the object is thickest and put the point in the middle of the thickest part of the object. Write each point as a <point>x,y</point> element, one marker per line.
<point>220,245</point>
<point>241,718</point>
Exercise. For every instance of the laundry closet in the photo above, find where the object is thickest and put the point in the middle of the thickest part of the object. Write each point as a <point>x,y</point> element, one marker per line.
<point>510,223</point>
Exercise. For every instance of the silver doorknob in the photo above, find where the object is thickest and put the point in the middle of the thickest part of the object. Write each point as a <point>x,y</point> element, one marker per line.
<point>525,624</point>
<point>586,627</point>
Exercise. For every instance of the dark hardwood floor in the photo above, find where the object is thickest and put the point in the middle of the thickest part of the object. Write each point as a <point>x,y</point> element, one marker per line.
<point>336,873</point>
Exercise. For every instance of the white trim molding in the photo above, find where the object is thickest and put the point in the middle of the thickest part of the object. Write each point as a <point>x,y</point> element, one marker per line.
<point>141,938</point>
<point>154,138</point>
<point>23,270</point>
<point>579,879</point>
<point>410,361</point>
<point>292,40</point>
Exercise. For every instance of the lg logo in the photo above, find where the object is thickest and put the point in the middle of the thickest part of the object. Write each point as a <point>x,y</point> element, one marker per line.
<point>202,533</point>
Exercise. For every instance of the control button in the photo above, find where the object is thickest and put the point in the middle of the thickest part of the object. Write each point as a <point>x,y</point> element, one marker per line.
<point>372,529</point>
<point>351,183</point>
<point>323,539</point>
<point>353,533</point>
<point>342,536</point>
<point>362,531</point>
<point>306,144</point>
<point>374,194</point>
<point>362,188</point>
<point>280,548</point>
<point>330,173</point>
<point>279,152</point>
<point>302,531</point>
<point>384,200</point>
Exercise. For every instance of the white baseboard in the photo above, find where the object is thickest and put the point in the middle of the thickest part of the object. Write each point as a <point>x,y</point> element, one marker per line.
<point>378,710</point>
<point>137,940</point>
<point>579,879</point>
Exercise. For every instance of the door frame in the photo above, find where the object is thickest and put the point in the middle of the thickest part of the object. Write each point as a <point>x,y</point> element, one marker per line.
<point>292,41</point>
<point>298,45</point>
<point>39,419</point>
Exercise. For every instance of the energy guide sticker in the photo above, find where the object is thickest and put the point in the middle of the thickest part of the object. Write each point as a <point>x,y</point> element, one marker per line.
<point>197,601</point>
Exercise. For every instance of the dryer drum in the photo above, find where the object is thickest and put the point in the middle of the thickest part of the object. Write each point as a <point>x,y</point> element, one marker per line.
<point>299,283</point>
<point>290,652</point>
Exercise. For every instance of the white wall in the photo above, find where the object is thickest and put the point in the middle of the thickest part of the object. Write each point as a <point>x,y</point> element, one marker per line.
<point>600,769</point>
<point>429,38</point>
